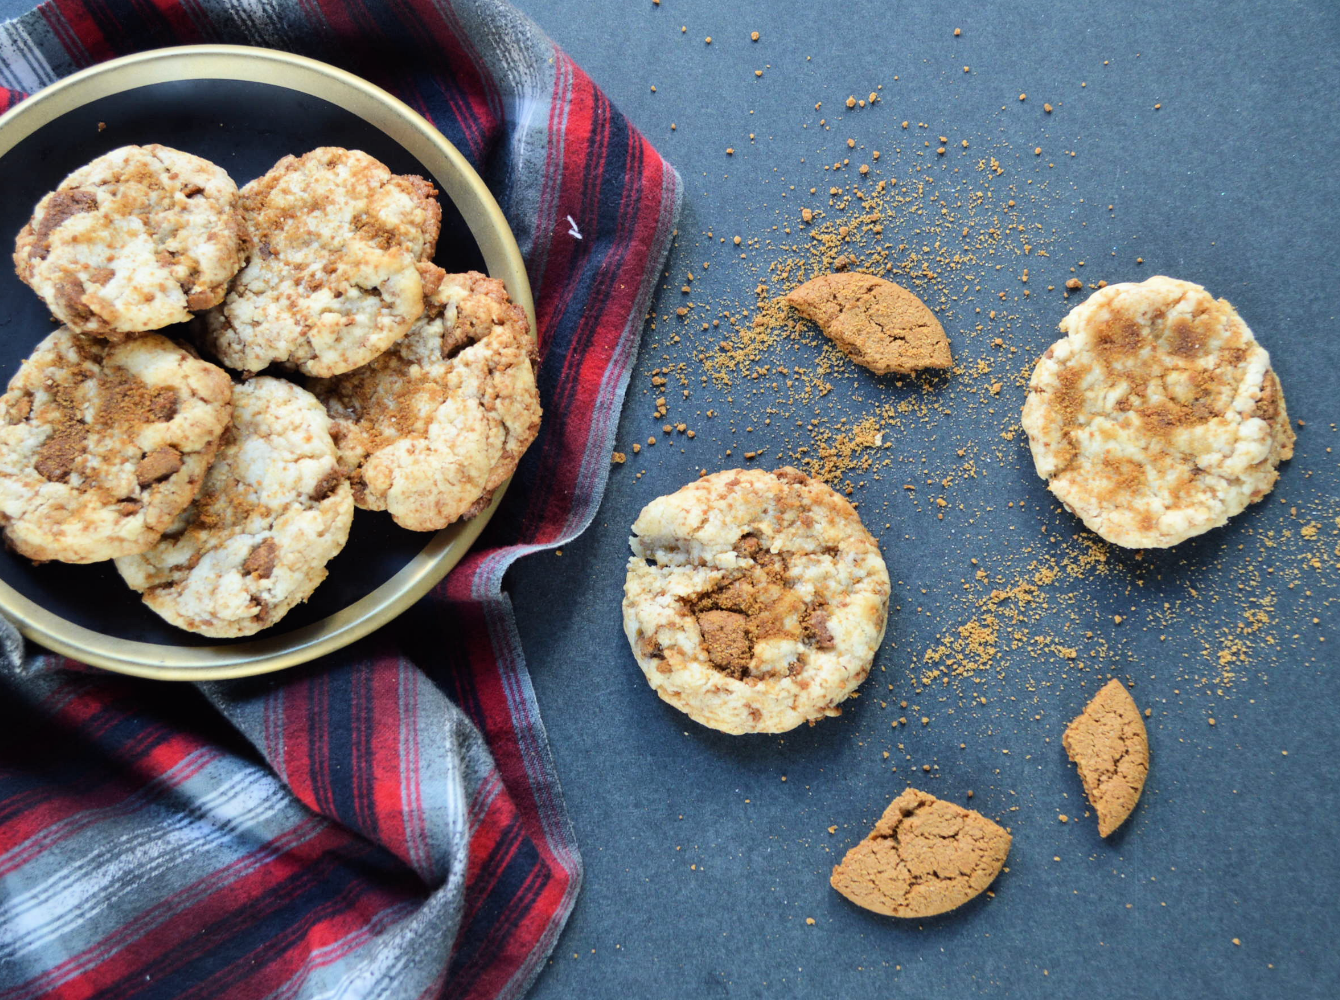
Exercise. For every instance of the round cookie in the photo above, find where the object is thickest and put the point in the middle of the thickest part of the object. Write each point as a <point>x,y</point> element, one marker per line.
<point>340,244</point>
<point>273,510</point>
<point>102,444</point>
<point>754,601</point>
<point>138,239</point>
<point>1110,747</point>
<point>1158,416</point>
<point>429,429</point>
<point>879,325</point>
<point>923,857</point>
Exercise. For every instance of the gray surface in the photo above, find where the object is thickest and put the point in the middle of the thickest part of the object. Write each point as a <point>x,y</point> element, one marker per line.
<point>1232,183</point>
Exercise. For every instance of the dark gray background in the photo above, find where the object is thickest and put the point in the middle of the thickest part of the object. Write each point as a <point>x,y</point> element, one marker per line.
<point>1232,183</point>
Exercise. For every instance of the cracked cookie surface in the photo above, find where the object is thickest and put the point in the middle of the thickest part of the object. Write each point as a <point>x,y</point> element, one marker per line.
<point>879,325</point>
<point>1110,747</point>
<point>1158,416</point>
<point>923,857</point>
<point>336,274</point>
<point>103,444</point>
<point>138,239</point>
<point>754,601</point>
<point>273,510</point>
<point>432,427</point>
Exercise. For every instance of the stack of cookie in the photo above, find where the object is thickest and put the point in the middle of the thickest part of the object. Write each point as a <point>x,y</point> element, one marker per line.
<point>222,502</point>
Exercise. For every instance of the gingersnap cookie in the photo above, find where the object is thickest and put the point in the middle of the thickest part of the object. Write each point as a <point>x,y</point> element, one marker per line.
<point>754,600</point>
<point>103,444</point>
<point>432,427</point>
<point>1110,747</point>
<point>923,857</point>
<point>1158,416</point>
<point>273,510</point>
<point>879,325</point>
<point>334,278</point>
<point>140,238</point>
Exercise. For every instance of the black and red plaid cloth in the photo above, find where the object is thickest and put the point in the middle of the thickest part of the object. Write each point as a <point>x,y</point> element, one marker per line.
<point>385,822</point>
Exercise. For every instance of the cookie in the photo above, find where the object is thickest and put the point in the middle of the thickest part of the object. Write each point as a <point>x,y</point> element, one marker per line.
<point>1158,416</point>
<point>335,277</point>
<point>140,238</point>
<point>879,325</point>
<point>428,430</point>
<point>102,445</point>
<point>1109,745</point>
<point>273,510</point>
<point>923,857</point>
<point>754,601</point>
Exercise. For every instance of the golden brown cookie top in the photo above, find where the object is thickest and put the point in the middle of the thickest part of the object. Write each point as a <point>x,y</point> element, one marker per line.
<point>923,857</point>
<point>879,325</point>
<point>1109,745</point>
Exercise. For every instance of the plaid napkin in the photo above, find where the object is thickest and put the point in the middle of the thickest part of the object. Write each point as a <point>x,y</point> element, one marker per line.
<point>385,822</point>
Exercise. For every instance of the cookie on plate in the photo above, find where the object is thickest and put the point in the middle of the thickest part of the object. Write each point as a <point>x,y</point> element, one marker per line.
<point>337,272</point>
<point>429,429</point>
<point>1110,747</point>
<point>1158,416</point>
<point>879,325</point>
<point>754,601</point>
<point>138,239</point>
<point>102,444</point>
<point>273,510</point>
<point>923,857</point>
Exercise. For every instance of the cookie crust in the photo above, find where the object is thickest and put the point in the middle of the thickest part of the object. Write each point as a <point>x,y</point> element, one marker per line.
<point>1110,747</point>
<point>924,857</point>
<point>431,428</point>
<point>754,601</point>
<point>1158,416</point>
<point>879,325</point>
<point>273,510</point>
<point>102,445</point>
<point>140,238</point>
<point>334,278</point>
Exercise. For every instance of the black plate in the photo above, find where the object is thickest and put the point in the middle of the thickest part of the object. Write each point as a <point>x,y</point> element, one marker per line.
<point>244,127</point>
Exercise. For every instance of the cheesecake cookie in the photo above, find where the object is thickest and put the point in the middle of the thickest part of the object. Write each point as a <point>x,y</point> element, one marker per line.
<point>754,601</point>
<point>923,857</point>
<point>879,325</point>
<point>273,510</point>
<point>140,238</point>
<point>1158,416</point>
<point>428,430</point>
<point>334,277</point>
<point>1110,748</point>
<point>102,445</point>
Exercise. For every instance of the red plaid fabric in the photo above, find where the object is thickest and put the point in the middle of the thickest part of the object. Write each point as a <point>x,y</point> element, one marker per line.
<point>386,822</point>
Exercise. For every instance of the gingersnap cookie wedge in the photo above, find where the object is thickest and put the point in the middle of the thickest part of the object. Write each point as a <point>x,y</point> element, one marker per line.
<point>102,444</point>
<point>140,238</point>
<point>1158,416</point>
<point>754,601</point>
<point>879,325</point>
<point>923,857</point>
<point>334,277</point>
<point>432,427</point>
<point>273,510</point>
<point>1110,747</point>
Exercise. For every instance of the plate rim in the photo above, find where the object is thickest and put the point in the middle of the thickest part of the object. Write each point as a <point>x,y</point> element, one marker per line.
<point>502,257</point>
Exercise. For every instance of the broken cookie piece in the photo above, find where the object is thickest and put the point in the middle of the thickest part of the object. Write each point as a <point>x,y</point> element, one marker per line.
<point>923,857</point>
<point>879,325</point>
<point>1110,747</point>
